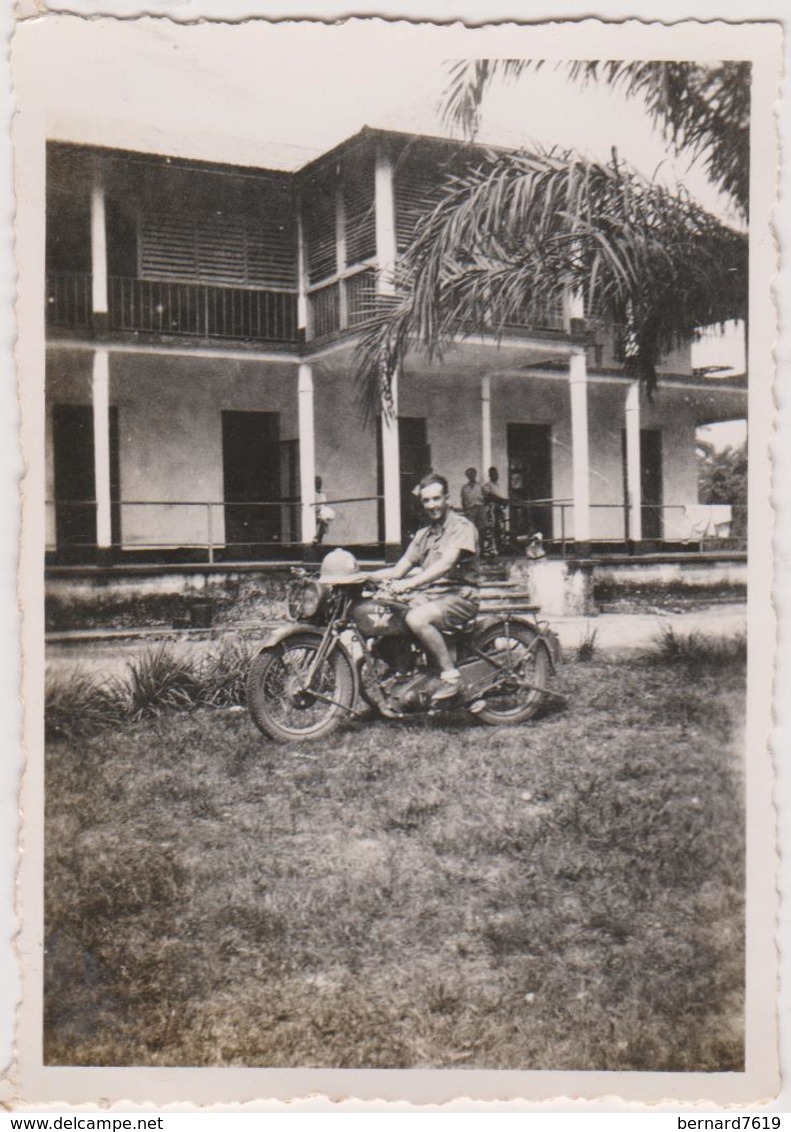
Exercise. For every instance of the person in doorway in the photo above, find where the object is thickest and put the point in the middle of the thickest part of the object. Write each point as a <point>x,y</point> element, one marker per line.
<point>494,503</point>
<point>438,574</point>
<point>324,513</point>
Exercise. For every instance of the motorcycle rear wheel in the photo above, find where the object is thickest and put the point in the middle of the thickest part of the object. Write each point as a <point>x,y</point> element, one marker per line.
<point>277,703</point>
<point>520,648</point>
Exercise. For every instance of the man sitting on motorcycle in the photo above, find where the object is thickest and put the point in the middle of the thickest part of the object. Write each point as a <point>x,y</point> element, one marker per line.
<point>438,573</point>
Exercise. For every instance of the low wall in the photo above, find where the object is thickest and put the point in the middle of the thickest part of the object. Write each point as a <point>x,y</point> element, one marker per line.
<point>181,597</point>
<point>172,598</point>
<point>580,587</point>
<point>557,586</point>
<point>667,584</point>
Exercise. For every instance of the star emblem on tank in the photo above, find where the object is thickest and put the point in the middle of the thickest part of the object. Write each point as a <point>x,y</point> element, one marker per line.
<point>380,617</point>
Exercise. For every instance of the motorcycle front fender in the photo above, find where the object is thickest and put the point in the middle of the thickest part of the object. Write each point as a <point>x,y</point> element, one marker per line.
<point>282,632</point>
<point>279,632</point>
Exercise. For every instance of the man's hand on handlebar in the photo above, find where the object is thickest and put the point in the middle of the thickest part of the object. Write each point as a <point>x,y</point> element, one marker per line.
<point>392,587</point>
<point>401,586</point>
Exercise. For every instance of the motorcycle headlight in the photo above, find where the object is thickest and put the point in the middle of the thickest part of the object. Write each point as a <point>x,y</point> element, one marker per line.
<point>311,600</point>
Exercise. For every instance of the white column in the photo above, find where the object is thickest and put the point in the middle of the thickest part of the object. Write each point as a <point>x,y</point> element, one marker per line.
<point>578,387</point>
<point>340,256</point>
<point>573,307</point>
<point>634,498</point>
<point>302,276</point>
<point>101,446</point>
<point>386,247</point>
<point>98,243</point>
<point>486,426</point>
<point>391,466</point>
<point>307,452</point>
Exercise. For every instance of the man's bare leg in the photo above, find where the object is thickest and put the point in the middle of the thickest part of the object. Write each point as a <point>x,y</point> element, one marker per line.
<point>419,621</point>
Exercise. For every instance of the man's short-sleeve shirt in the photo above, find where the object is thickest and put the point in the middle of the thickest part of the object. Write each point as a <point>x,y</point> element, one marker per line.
<point>432,542</point>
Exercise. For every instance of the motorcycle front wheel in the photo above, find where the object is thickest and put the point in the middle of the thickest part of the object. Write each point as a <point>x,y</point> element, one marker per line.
<point>281,703</point>
<point>522,656</point>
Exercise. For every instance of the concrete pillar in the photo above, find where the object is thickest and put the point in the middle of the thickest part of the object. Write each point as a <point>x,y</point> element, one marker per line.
<point>340,255</point>
<point>486,426</point>
<point>573,310</point>
<point>303,310</point>
<point>386,246</point>
<point>100,399</point>
<point>634,499</point>
<point>391,466</point>
<point>99,284</point>
<point>578,388</point>
<point>307,452</point>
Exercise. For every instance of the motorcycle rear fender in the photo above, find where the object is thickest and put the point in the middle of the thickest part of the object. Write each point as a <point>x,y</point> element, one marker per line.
<point>548,636</point>
<point>298,628</point>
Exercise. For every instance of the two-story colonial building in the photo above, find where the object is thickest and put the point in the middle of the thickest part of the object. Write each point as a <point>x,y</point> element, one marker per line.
<point>202,322</point>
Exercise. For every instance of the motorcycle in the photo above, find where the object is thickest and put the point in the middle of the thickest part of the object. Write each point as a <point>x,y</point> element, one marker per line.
<point>347,649</point>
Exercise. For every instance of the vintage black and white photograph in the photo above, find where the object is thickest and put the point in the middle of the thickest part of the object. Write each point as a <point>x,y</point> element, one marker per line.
<point>387,399</point>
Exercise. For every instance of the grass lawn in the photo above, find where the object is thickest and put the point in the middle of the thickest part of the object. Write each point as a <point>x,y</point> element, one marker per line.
<point>563,895</point>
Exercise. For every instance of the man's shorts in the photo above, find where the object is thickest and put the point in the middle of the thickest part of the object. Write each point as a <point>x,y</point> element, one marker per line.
<point>454,609</point>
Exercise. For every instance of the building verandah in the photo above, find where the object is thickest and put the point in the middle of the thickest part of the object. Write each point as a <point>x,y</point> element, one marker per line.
<point>155,454</point>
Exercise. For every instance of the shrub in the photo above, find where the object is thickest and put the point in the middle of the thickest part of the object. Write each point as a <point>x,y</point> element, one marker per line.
<point>586,649</point>
<point>79,704</point>
<point>696,651</point>
<point>223,673</point>
<point>159,680</point>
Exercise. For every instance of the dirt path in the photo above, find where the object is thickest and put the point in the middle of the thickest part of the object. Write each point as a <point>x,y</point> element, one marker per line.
<point>616,633</point>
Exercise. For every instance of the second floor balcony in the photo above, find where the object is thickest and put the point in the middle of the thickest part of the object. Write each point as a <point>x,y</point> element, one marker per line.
<point>195,310</point>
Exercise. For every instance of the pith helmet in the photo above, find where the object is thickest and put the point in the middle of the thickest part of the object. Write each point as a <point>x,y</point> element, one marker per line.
<point>340,566</point>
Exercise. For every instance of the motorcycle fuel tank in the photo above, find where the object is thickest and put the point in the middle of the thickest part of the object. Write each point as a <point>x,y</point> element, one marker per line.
<point>380,618</point>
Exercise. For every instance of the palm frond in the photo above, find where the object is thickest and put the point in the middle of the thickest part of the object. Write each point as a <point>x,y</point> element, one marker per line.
<point>521,230</point>
<point>703,109</point>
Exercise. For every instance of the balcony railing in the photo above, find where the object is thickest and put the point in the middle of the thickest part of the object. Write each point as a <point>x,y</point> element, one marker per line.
<point>194,309</point>
<point>216,531</point>
<point>361,297</point>
<point>69,301</point>
<point>203,531</point>
<point>325,310</point>
<point>200,310</point>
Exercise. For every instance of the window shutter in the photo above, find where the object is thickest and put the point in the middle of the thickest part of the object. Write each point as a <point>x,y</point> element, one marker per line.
<point>417,191</point>
<point>319,220</point>
<point>223,230</point>
<point>167,247</point>
<point>360,208</point>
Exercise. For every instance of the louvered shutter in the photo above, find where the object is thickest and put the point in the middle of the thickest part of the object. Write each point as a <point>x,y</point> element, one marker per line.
<point>318,213</point>
<point>247,239</point>
<point>417,191</point>
<point>360,208</point>
<point>167,247</point>
<point>271,252</point>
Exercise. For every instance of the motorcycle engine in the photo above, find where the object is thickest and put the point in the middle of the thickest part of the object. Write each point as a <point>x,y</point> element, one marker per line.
<point>392,680</point>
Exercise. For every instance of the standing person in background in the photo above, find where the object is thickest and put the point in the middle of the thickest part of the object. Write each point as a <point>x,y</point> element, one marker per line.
<point>324,514</point>
<point>472,501</point>
<point>494,503</point>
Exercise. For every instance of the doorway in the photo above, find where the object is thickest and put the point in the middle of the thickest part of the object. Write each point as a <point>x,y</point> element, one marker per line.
<point>291,491</point>
<point>530,478</point>
<point>251,481</point>
<point>650,483</point>
<point>75,481</point>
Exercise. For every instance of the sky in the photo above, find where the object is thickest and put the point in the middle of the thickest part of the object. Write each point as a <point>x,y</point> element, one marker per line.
<point>287,91</point>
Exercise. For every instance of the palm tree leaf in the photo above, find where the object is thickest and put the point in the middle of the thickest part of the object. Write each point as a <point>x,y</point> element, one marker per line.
<point>508,241</point>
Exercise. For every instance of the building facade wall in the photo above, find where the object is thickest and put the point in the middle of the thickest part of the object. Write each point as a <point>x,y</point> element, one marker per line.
<point>170,433</point>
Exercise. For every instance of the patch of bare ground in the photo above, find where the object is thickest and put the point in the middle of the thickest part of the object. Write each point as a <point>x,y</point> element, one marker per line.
<point>567,894</point>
